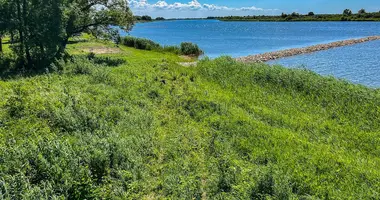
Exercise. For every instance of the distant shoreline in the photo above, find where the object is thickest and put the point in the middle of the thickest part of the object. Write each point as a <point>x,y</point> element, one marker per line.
<point>298,51</point>
<point>348,15</point>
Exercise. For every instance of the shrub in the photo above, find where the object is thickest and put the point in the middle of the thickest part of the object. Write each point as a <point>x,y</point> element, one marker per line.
<point>188,48</point>
<point>140,43</point>
<point>172,49</point>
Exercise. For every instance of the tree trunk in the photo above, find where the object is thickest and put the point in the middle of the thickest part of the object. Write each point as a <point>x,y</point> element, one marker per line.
<point>1,44</point>
<point>25,22</point>
<point>20,28</point>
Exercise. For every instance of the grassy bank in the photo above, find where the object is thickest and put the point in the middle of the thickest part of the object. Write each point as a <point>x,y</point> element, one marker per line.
<point>147,128</point>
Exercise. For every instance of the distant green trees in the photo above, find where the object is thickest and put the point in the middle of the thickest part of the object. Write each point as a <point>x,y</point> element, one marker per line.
<point>160,18</point>
<point>347,12</point>
<point>362,11</point>
<point>41,29</point>
<point>143,18</point>
<point>347,15</point>
<point>295,14</point>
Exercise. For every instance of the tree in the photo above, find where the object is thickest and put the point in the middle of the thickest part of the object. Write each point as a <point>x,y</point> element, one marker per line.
<point>310,14</point>
<point>347,12</point>
<point>294,14</point>
<point>42,28</point>
<point>161,18</point>
<point>146,18</point>
<point>361,11</point>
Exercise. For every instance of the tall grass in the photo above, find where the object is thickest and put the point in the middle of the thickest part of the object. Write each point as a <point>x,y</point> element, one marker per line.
<point>149,129</point>
<point>185,48</point>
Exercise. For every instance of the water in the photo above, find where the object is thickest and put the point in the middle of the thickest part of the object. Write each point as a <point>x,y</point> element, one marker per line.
<point>357,63</point>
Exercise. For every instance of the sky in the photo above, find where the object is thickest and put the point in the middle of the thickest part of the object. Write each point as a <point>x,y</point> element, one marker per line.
<point>205,8</point>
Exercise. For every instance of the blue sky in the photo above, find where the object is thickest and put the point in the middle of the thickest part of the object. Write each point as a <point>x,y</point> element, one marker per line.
<point>204,8</point>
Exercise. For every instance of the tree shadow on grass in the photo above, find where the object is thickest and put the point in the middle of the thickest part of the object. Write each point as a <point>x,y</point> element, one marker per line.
<point>13,69</point>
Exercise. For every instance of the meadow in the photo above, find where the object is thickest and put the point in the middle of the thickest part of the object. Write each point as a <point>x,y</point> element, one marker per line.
<point>123,123</point>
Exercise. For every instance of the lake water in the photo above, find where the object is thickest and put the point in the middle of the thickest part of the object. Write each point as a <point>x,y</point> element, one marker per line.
<point>357,63</point>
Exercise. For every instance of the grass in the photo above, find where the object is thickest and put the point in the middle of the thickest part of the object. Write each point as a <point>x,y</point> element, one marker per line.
<point>185,48</point>
<point>151,129</point>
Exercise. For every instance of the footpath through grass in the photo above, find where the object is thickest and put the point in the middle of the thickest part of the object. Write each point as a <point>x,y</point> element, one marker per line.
<point>147,128</point>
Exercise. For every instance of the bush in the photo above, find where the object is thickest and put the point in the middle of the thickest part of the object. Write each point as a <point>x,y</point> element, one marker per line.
<point>188,48</point>
<point>172,49</point>
<point>140,43</point>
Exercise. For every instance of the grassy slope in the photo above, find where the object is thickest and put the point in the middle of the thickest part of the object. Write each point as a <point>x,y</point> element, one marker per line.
<point>151,129</point>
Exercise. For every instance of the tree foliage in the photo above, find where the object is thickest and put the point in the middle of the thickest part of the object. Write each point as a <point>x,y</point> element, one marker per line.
<point>347,12</point>
<point>362,11</point>
<point>42,28</point>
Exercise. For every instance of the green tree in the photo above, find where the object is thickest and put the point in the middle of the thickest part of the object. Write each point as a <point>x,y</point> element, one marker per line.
<point>294,14</point>
<point>146,18</point>
<point>347,12</point>
<point>362,11</point>
<point>42,28</point>
<point>310,14</point>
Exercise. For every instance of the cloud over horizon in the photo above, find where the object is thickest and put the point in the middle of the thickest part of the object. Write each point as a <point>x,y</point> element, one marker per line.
<point>192,9</point>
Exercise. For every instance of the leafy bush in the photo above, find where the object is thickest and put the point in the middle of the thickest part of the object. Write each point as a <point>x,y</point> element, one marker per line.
<point>188,48</point>
<point>140,43</point>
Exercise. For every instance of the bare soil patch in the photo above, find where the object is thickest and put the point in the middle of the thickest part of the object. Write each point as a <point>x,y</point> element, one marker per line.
<point>102,50</point>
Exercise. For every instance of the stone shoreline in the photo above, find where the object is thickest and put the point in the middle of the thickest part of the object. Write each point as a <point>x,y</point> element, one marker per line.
<point>297,51</point>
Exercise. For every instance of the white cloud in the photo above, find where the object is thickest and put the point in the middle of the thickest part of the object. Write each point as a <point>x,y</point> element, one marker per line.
<point>193,5</point>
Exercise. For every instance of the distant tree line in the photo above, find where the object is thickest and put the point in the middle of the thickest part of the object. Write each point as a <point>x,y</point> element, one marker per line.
<point>347,15</point>
<point>39,30</point>
<point>147,18</point>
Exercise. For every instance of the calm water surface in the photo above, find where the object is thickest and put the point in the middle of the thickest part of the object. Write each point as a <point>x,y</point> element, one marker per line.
<point>358,63</point>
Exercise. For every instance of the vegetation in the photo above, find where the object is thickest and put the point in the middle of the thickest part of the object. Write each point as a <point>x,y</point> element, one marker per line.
<point>347,15</point>
<point>109,121</point>
<point>40,30</point>
<point>148,128</point>
<point>160,18</point>
<point>186,48</point>
<point>144,18</point>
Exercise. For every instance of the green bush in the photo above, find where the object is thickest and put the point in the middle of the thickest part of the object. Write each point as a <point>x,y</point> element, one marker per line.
<point>140,43</point>
<point>172,49</point>
<point>188,48</point>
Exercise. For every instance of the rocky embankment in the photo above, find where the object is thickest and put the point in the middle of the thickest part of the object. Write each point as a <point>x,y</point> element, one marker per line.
<point>297,51</point>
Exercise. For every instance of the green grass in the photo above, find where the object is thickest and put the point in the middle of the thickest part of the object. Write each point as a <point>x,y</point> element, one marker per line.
<point>6,48</point>
<point>151,129</point>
